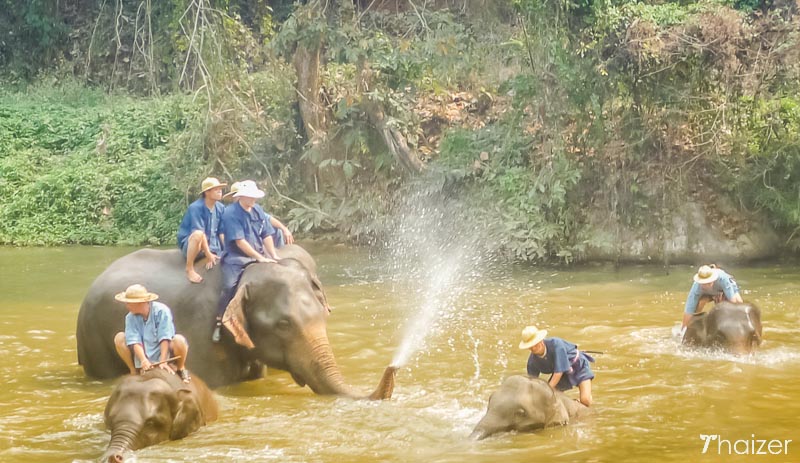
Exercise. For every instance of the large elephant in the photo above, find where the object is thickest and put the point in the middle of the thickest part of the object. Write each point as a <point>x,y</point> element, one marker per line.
<point>282,308</point>
<point>735,327</point>
<point>524,403</point>
<point>147,409</point>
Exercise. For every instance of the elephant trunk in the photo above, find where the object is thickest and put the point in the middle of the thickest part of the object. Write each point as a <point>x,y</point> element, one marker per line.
<point>323,376</point>
<point>122,440</point>
<point>486,428</point>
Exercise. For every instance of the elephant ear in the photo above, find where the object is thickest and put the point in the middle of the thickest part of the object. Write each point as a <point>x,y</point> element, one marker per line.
<point>234,319</point>
<point>319,292</point>
<point>187,416</point>
<point>556,411</point>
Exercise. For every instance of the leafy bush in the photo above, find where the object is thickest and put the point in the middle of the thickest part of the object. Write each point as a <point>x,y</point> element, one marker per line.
<point>95,174</point>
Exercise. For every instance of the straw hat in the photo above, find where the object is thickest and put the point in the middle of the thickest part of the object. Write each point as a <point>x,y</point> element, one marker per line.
<point>248,189</point>
<point>136,293</point>
<point>531,336</point>
<point>706,274</point>
<point>209,183</point>
<point>234,188</point>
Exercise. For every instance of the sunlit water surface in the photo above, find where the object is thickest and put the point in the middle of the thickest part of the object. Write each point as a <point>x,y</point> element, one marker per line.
<point>653,398</point>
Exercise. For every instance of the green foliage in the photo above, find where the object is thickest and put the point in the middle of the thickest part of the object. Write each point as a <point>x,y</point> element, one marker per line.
<point>106,172</point>
<point>524,192</point>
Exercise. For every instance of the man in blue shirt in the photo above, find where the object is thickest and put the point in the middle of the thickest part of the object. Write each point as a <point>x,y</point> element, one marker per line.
<point>199,232</point>
<point>281,236</point>
<point>567,366</point>
<point>248,239</point>
<point>710,284</point>
<point>149,338</point>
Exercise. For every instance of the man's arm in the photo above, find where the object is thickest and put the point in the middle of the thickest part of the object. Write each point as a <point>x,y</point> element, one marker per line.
<point>555,379</point>
<point>730,289</point>
<point>691,305</point>
<point>138,351</point>
<point>248,250</point>
<point>269,247</point>
<point>286,233</point>
<point>164,344</point>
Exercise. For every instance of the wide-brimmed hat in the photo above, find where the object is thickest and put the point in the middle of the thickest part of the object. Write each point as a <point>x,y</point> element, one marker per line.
<point>706,274</point>
<point>209,183</point>
<point>248,189</point>
<point>136,293</point>
<point>531,336</point>
<point>233,189</point>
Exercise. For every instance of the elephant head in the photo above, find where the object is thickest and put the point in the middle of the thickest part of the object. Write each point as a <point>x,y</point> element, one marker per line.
<point>735,327</point>
<point>147,409</point>
<point>278,313</point>
<point>524,403</point>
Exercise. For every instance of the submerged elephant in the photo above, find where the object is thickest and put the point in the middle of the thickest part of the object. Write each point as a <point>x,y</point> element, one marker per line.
<point>735,327</point>
<point>147,409</point>
<point>524,403</point>
<point>282,308</point>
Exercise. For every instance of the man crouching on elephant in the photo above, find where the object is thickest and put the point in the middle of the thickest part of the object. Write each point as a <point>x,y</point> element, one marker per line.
<point>568,366</point>
<point>149,338</point>
<point>710,284</point>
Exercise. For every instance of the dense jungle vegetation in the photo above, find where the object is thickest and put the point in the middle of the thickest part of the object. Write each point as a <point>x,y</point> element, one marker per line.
<point>553,121</point>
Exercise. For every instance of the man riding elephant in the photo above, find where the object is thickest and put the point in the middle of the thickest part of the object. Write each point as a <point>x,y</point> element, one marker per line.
<point>149,338</point>
<point>199,234</point>
<point>710,284</point>
<point>248,239</point>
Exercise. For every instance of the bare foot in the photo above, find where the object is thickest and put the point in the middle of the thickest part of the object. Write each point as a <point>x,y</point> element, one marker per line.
<point>193,276</point>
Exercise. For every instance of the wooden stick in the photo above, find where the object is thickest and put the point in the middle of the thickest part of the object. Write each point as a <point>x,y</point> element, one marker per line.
<point>171,359</point>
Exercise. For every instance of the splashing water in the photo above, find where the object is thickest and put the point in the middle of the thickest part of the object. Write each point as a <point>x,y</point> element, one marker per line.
<point>437,300</point>
<point>437,255</point>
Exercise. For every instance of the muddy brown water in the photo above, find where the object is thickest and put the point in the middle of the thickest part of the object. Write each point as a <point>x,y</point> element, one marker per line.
<point>653,398</point>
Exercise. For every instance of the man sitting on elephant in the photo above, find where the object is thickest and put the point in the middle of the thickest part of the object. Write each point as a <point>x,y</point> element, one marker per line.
<point>710,284</point>
<point>199,231</point>
<point>281,235</point>
<point>568,366</point>
<point>248,239</point>
<point>149,337</point>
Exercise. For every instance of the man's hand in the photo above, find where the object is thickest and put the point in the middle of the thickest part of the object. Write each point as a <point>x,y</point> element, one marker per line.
<point>165,366</point>
<point>288,236</point>
<point>146,365</point>
<point>212,259</point>
<point>266,260</point>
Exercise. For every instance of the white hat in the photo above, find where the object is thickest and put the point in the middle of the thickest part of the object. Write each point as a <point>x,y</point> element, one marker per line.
<point>706,274</point>
<point>531,336</point>
<point>248,188</point>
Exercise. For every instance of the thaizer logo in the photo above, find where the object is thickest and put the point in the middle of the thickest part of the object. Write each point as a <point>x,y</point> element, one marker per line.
<point>715,444</point>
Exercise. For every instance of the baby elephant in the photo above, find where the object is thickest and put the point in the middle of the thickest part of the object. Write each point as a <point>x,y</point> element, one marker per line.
<point>733,327</point>
<point>147,409</point>
<point>524,403</point>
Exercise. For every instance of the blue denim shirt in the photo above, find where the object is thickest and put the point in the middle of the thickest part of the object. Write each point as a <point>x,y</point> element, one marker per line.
<point>724,283</point>
<point>149,333</point>
<point>199,217</point>
<point>251,226</point>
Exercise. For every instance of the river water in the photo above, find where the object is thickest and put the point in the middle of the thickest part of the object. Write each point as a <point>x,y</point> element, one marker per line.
<point>652,398</point>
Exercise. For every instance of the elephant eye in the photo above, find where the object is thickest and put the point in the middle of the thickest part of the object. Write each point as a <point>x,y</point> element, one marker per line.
<point>283,324</point>
<point>521,412</point>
